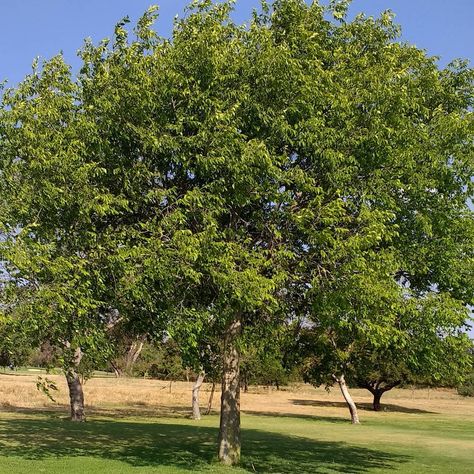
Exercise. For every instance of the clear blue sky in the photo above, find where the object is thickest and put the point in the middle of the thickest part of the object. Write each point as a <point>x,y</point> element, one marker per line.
<point>31,28</point>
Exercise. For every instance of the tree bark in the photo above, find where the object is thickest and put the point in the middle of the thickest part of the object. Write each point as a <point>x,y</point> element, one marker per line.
<point>76,393</point>
<point>117,370</point>
<point>195,397</point>
<point>376,403</point>
<point>133,353</point>
<point>347,397</point>
<point>211,396</point>
<point>229,432</point>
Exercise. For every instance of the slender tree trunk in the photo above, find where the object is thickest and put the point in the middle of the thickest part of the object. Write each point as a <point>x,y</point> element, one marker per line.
<point>229,432</point>
<point>211,396</point>
<point>133,353</point>
<point>347,397</point>
<point>117,371</point>
<point>195,398</point>
<point>76,393</point>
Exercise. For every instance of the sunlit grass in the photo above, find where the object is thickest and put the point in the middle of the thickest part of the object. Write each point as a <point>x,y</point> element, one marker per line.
<point>138,426</point>
<point>31,441</point>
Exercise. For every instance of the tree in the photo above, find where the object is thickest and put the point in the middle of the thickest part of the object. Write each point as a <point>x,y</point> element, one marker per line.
<point>56,261</point>
<point>432,349</point>
<point>426,343</point>
<point>466,388</point>
<point>237,176</point>
<point>384,148</point>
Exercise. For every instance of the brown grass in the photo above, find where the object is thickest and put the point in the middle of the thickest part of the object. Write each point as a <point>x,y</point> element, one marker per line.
<point>127,396</point>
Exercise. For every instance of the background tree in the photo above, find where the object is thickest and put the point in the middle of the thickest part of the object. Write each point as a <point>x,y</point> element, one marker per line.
<point>432,349</point>
<point>427,344</point>
<point>51,202</point>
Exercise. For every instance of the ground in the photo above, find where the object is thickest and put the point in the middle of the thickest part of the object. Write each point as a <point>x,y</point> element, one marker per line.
<point>139,426</point>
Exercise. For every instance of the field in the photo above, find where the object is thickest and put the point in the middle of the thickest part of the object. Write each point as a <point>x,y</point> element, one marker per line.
<point>139,426</point>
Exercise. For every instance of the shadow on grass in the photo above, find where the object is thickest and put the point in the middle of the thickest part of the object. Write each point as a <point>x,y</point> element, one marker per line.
<point>301,416</point>
<point>138,410</point>
<point>182,445</point>
<point>360,406</point>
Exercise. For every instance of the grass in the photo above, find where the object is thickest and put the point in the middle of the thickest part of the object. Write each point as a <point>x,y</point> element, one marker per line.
<point>302,431</point>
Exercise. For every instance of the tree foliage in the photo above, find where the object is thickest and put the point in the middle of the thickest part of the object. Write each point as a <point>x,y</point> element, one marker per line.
<point>231,177</point>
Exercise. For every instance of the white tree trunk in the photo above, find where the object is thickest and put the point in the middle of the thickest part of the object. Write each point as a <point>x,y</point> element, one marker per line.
<point>347,397</point>
<point>195,398</point>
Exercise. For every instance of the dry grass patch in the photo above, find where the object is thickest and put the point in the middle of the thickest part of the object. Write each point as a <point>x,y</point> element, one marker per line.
<point>156,396</point>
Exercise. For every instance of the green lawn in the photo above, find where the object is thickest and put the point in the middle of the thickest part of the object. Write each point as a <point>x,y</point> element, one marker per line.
<point>33,442</point>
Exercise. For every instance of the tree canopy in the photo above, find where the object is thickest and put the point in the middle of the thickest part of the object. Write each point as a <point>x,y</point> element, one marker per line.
<point>233,177</point>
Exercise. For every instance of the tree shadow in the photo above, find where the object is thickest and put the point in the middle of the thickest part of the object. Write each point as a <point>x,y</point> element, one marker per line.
<point>360,406</point>
<point>186,446</point>
<point>277,414</point>
<point>139,411</point>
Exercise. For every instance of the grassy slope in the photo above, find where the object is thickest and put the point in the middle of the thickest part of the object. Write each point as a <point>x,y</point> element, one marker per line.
<point>35,442</point>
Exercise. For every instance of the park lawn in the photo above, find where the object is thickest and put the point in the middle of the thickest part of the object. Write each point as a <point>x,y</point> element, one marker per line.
<point>35,442</point>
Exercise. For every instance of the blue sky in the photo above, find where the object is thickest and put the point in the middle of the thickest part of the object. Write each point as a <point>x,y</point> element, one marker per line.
<point>31,28</point>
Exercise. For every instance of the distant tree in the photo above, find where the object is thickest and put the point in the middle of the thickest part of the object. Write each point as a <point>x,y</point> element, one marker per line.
<point>432,351</point>
<point>466,388</point>
<point>15,347</point>
<point>425,343</point>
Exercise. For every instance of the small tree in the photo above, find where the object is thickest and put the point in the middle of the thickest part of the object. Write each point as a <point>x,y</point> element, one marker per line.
<point>424,341</point>
<point>429,350</point>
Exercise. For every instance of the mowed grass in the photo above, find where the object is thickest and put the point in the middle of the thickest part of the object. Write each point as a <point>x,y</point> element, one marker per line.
<point>310,434</point>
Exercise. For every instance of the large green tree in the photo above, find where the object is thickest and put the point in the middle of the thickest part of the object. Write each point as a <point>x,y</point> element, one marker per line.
<point>233,176</point>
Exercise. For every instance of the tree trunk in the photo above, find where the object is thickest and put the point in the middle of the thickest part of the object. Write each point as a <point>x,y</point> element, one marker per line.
<point>347,397</point>
<point>195,398</point>
<point>229,432</point>
<point>376,403</point>
<point>76,394</point>
<point>211,396</point>
<point>117,370</point>
<point>377,388</point>
<point>133,353</point>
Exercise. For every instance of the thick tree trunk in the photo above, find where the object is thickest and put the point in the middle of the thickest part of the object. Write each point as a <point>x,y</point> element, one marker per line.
<point>347,397</point>
<point>211,396</point>
<point>195,398</point>
<point>229,432</point>
<point>376,403</point>
<point>76,394</point>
